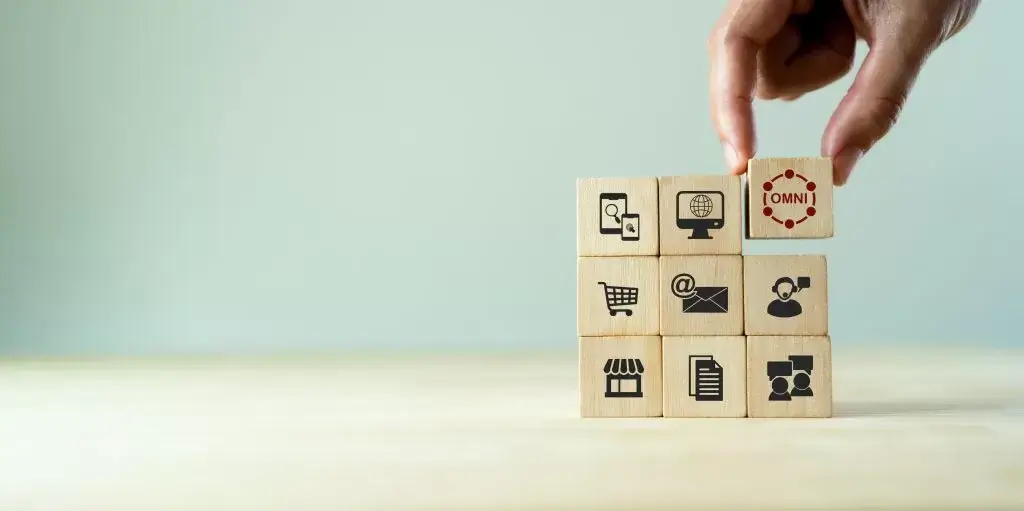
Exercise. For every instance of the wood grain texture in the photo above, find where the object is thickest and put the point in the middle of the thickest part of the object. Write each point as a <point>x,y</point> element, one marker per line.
<point>708,271</point>
<point>593,316</point>
<point>729,352</point>
<point>789,198</point>
<point>915,427</point>
<point>761,273</point>
<point>636,196</point>
<point>761,351</point>
<point>675,197</point>
<point>598,388</point>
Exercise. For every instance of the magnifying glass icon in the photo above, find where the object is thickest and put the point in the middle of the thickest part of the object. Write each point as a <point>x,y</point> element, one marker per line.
<point>613,211</point>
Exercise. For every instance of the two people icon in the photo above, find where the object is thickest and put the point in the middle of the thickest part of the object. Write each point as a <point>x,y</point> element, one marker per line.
<point>785,306</point>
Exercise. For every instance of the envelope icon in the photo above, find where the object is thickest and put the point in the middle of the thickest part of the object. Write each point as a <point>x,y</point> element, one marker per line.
<point>707,299</point>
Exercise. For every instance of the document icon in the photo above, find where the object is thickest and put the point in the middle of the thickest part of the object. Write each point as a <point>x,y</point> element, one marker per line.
<point>705,378</point>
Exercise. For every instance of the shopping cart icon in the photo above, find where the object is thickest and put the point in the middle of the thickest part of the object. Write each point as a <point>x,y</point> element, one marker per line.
<point>619,298</point>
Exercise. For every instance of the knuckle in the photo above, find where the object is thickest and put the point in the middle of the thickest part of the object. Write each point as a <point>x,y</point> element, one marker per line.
<point>888,110</point>
<point>767,90</point>
<point>713,36</point>
<point>882,114</point>
<point>733,38</point>
<point>719,38</point>
<point>772,83</point>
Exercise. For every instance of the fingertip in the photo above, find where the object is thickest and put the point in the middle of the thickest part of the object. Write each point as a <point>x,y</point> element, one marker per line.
<point>730,154</point>
<point>739,169</point>
<point>734,160</point>
<point>844,163</point>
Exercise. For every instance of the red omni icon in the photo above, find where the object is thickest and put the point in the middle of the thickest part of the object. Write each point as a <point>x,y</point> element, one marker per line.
<point>789,198</point>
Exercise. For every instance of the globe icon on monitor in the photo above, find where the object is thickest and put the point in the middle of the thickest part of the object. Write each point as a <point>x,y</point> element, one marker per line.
<point>699,211</point>
<point>701,206</point>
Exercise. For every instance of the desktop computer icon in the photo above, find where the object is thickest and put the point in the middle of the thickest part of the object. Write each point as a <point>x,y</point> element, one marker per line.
<point>700,211</point>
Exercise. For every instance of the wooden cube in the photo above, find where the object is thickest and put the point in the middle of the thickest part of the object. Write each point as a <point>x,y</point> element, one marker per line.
<point>616,216</point>
<point>700,215</point>
<point>617,296</point>
<point>705,376</point>
<point>701,295</point>
<point>785,295</point>
<point>789,376</point>
<point>789,198</point>
<point>620,376</point>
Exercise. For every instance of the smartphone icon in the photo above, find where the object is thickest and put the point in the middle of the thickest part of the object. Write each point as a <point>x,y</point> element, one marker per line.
<point>630,227</point>
<point>612,208</point>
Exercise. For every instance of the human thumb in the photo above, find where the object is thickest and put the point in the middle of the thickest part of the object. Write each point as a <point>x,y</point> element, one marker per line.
<point>872,105</point>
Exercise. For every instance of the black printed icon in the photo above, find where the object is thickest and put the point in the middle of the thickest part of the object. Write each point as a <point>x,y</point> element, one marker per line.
<point>798,370</point>
<point>623,377</point>
<point>620,298</point>
<point>706,379</point>
<point>615,217</point>
<point>785,306</point>
<point>696,299</point>
<point>700,211</point>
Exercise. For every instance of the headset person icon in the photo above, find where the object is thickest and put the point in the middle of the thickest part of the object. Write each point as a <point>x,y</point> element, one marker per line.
<point>785,306</point>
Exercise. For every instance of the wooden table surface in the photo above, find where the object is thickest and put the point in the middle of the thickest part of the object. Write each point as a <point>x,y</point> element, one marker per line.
<point>935,428</point>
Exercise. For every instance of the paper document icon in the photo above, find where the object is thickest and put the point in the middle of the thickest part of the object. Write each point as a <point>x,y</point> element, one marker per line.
<point>705,378</point>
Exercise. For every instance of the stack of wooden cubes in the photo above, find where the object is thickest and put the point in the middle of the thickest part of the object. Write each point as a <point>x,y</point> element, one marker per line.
<point>674,321</point>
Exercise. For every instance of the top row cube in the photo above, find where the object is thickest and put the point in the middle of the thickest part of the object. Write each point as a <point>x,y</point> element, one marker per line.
<point>684,215</point>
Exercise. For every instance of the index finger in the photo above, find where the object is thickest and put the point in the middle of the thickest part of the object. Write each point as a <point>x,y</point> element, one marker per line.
<point>743,29</point>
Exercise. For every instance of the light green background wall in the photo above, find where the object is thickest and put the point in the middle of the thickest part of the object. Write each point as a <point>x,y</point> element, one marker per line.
<point>252,176</point>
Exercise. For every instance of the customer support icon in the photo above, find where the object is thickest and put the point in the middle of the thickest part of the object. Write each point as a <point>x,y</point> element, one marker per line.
<point>785,306</point>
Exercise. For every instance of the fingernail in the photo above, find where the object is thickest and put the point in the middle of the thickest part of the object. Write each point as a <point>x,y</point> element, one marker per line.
<point>732,158</point>
<point>844,162</point>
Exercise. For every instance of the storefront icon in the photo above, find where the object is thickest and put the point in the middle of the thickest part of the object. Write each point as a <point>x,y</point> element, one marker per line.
<point>623,377</point>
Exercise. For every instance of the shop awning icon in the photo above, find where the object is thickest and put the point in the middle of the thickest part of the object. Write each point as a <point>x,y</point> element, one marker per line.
<point>623,377</point>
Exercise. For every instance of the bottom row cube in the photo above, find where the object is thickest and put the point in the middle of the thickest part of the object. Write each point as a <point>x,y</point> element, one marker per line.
<point>713,376</point>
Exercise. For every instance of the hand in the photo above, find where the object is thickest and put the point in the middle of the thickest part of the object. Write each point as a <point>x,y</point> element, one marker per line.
<point>783,49</point>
